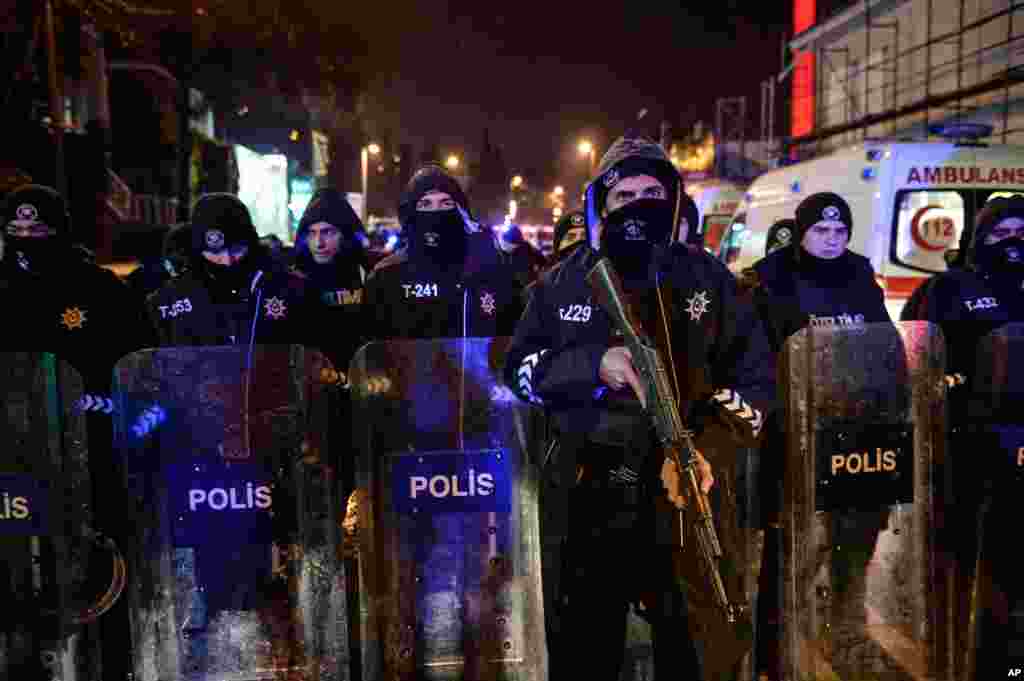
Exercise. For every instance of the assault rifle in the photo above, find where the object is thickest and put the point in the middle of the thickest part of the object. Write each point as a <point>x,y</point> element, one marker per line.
<point>662,406</point>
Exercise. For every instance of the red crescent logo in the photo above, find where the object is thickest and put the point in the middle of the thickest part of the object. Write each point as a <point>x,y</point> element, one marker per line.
<point>921,239</point>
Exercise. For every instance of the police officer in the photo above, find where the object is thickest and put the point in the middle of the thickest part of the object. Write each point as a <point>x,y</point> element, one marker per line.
<point>449,281</point>
<point>154,272</point>
<point>565,356</point>
<point>807,277</point>
<point>57,299</point>
<point>330,256</point>
<point>690,230</point>
<point>231,293</point>
<point>779,235</point>
<point>525,261</point>
<point>570,231</point>
<point>54,299</point>
<point>968,303</point>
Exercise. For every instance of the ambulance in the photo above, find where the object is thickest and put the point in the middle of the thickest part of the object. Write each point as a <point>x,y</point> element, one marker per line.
<point>910,201</point>
<point>716,201</point>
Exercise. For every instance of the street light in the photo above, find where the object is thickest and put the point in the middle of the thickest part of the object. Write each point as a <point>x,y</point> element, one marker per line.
<point>517,182</point>
<point>513,209</point>
<point>557,212</point>
<point>586,148</point>
<point>452,162</point>
<point>559,190</point>
<point>365,158</point>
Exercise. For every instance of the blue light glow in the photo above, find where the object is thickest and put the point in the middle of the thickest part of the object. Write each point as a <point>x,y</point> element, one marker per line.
<point>149,420</point>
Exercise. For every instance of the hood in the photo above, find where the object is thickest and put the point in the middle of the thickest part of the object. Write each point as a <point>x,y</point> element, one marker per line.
<point>329,205</point>
<point>994,212</point>
<point>627,155</point>
<point>30,204</point>
<point>430,178</point>
<point>219,219</point>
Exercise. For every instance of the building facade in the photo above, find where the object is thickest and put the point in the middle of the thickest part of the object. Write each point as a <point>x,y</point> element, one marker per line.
<point>900,68</point>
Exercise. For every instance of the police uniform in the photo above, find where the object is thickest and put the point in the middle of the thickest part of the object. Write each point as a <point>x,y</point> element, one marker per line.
<point>618,540</point>
<point>793,289</point>
<point>449,282</point>
<point>55,299</point>
<point>249,302</point>
<point>968,303</point>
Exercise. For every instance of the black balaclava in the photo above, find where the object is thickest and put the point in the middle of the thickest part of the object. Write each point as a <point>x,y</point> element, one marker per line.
<point>812,210</point>
<point>436,237</point>
<point>1005,257</point>
<point>222,221</point>
<point>34,204</point>
<point>779,235</point>
<point>330,206</point>
<point>633,231</point>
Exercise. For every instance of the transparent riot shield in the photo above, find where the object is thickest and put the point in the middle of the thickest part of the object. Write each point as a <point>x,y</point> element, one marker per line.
<point>449,547</point>
<point>864,582</point>
<point>988,460</point>
<point>237,559</point>
<point>58,574</point>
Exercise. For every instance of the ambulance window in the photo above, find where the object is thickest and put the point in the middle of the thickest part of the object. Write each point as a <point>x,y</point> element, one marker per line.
<point>928,223</point>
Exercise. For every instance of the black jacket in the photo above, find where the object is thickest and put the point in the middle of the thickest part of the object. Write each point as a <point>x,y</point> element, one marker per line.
<point>555,355</point>
<point>967,304</point>
<point>276,304</point>
<point>790,294</point>
<point>338,310</point>
<point>77,310</point>
<point>410,298</point>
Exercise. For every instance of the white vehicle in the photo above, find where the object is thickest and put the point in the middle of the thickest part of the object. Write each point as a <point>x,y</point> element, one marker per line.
<point>910,203</point>
<point>716,201</point>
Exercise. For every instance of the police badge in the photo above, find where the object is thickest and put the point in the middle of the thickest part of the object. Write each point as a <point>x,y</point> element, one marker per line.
<point>830,213</point>
<point>611,178</point>
<point>27,212</point>
<point>214,239</point>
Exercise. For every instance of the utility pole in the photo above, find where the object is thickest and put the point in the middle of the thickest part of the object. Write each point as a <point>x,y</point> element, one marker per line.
<point>56,105</point>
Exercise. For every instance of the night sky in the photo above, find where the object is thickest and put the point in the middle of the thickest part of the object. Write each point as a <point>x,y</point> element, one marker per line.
<point>542,74</point>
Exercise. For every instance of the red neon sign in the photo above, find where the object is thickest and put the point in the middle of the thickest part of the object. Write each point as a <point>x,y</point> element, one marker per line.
<point>802,109</point>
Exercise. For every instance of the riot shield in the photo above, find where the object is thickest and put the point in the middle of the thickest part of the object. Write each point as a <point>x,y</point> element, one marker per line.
<point>989,480</point>
<point>865,585</point>
<point>238,572</point>
<point>449,549</point>
<point>58,575</point>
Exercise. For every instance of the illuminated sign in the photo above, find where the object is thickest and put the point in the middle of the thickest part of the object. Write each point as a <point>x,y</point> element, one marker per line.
<point>964,175</point>
<point>803,96</point>
<point>452,482</point>
<point>321,153</point>
<point>933,228</point>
